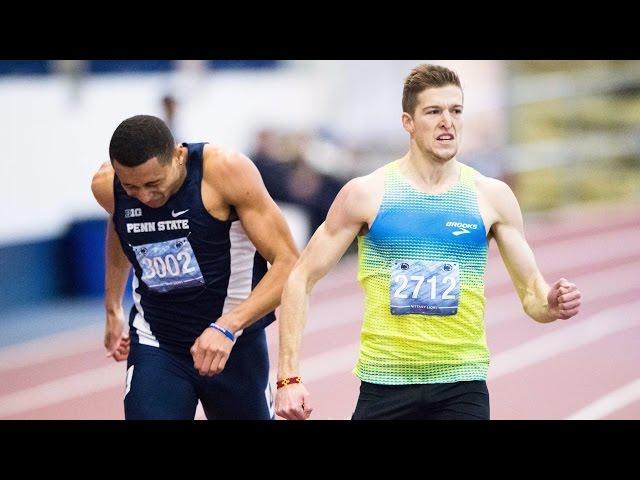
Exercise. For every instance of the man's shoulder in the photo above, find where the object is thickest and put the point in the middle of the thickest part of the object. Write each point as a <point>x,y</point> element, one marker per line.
<point>365,186</point>
<point>102,181</point>
<point>369,181</point>
<point>361,196</point>
<point>104,173</point>
<point>231,174</point>
<point>498,195</point>
<point>213,156</point>
<point>489,185</point>
<point>102,185</point>
<point>220,161</point>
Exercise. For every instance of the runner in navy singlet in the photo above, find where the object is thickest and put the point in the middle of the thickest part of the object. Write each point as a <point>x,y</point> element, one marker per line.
<point>198,226</point>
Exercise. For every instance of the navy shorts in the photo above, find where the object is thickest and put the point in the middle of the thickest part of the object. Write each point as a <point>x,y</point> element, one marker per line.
<point>438,401</point>
<point>162,385</point>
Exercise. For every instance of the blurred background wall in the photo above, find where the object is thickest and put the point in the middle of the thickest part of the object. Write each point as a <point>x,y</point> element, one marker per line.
<point>561,133</point>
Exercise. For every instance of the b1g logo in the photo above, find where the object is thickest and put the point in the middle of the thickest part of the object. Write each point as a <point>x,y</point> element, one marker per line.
<point>132,212</point>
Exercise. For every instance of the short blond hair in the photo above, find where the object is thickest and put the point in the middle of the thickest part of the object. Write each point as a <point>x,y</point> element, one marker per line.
<point>422,77</point>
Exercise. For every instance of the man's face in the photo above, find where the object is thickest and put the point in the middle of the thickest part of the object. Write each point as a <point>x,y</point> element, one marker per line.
<point>149,182</point>
<point>436,124</point>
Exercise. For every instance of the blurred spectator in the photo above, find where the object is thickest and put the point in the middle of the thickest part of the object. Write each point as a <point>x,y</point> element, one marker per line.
<point>75,71</point>
<point>290,178</point>
<point>169,105</point>
<point>328,154</point>
<point>169,109</point>
<point>274,172</point>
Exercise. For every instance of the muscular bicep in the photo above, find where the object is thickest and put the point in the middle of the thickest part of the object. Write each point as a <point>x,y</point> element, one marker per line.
<point>266,228</point>
<point>261,218</point>
<point>344,221</point>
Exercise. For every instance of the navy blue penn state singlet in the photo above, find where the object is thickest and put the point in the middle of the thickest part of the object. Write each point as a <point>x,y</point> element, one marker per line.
<point>189,267</point>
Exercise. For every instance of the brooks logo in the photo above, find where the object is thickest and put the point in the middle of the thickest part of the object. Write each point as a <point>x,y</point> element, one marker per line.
<point>463,227</point>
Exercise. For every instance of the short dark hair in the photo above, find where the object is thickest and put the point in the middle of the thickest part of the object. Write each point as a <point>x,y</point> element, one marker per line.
<point>422,77</point>
<point>140,138</point>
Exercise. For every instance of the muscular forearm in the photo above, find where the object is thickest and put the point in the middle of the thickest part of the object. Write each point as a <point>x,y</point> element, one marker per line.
<point>293,317</point>
<point>264,298</point>
<point>534,301</point>
<point>117,268</point>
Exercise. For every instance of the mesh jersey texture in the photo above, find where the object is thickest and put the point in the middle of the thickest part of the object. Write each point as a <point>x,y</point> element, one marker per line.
<point>413,225</point>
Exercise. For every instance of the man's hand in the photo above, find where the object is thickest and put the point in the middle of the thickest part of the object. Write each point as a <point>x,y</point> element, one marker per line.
<point>116,341</point>
<point>564,299</point>
<point>210,352</point>
<point>293,402</point>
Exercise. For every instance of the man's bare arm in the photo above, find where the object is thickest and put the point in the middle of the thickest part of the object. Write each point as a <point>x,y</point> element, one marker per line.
<point>242,187</point>
<point>117,268</point>
<point>237,180</point>
<point>540,301</point>
<point>348,215</point>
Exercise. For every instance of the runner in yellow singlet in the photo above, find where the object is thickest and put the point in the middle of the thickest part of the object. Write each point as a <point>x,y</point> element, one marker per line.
<point>423,224</point>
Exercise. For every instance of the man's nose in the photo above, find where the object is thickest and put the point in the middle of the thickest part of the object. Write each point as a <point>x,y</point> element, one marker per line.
<point>145,196</point>
<point>446,121</point>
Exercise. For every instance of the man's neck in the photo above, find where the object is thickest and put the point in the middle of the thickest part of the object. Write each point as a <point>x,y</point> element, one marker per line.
<point>182,173</point>
<point>428,172</point>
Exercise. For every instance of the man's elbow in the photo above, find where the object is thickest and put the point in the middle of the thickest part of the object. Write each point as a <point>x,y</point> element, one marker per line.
<point>299,278</point>
<point>531,314</point>
<point>539,314</point>
<point>288,259</point>
<point>292,256</point>
<point>285,262</point>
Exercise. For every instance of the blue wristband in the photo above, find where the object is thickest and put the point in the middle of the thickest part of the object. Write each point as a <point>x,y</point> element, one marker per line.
<point>226,332</point>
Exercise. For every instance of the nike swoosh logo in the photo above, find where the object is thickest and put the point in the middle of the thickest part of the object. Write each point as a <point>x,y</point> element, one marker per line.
<point>461,231</point>
<point>177,214</point>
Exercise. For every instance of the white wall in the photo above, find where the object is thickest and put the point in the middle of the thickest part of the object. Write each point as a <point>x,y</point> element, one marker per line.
<point>52,144</point>
<point>54,136</point>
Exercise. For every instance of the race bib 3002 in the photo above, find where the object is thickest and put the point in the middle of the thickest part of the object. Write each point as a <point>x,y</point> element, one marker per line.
<point>169,265</point>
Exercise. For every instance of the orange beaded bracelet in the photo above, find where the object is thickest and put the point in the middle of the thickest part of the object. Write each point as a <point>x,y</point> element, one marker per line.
<point>287,381</point>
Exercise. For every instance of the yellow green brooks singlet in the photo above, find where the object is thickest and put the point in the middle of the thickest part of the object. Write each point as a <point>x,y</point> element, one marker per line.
<point>422,269</point>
